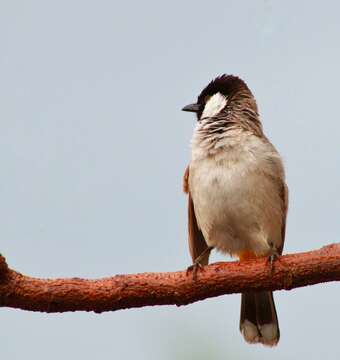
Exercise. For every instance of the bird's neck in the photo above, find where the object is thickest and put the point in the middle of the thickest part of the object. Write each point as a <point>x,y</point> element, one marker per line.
<point>213,135</point>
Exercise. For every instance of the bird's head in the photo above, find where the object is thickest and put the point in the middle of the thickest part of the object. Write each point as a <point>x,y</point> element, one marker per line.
<point>226,92</point>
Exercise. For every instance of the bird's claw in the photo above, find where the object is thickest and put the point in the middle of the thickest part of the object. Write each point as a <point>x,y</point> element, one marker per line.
<point>272,259</point>
<point>194,268</point>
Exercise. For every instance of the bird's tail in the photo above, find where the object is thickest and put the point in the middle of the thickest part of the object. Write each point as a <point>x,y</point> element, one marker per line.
<point>258,322</point>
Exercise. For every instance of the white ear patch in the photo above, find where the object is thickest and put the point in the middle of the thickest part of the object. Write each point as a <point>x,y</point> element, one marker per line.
<point>214,105</point>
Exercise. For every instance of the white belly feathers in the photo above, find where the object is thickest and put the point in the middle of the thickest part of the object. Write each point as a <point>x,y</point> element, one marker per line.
<point>236,196</point>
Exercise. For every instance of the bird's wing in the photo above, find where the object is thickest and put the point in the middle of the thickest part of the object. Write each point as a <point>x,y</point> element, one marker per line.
<point>284,197</point>
<point>197,244</point>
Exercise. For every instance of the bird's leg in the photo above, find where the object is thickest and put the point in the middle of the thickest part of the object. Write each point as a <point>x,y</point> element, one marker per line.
<point>274,256</point>
<point>197,262</point>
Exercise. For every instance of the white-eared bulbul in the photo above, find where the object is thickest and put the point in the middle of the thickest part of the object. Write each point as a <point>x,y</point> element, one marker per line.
<point>237,194</point>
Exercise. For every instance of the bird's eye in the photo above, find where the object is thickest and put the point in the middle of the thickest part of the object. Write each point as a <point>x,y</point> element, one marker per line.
<point>206,99</point>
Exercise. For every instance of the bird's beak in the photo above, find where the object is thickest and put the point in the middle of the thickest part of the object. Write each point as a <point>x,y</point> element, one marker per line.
<point>192,108</point>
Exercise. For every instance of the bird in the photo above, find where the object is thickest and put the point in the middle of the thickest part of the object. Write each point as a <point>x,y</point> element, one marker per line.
<point>237,193</point>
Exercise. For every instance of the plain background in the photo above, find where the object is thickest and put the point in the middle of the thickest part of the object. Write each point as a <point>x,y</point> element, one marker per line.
<point>93,146</point>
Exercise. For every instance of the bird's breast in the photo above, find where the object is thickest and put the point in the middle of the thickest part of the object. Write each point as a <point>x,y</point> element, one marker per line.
<point>236,200</point>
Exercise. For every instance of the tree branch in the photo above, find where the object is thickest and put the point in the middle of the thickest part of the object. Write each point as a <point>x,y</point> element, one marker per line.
<point>176,288</point>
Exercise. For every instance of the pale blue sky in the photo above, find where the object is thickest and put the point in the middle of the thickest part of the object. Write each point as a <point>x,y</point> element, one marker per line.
<point>93,146</point>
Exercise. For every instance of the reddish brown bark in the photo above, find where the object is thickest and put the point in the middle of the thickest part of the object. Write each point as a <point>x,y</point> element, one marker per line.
<point>176,288</point>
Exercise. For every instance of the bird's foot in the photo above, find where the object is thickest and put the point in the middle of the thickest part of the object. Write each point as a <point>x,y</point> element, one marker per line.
<point>272,259</point>
<point>197,262</point>
<point>194,269</point>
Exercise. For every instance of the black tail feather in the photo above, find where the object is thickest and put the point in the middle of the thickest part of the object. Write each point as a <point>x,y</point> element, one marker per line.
<point>258,322</point>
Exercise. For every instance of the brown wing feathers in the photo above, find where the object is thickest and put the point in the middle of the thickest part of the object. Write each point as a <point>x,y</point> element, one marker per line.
<point>197,243</point>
